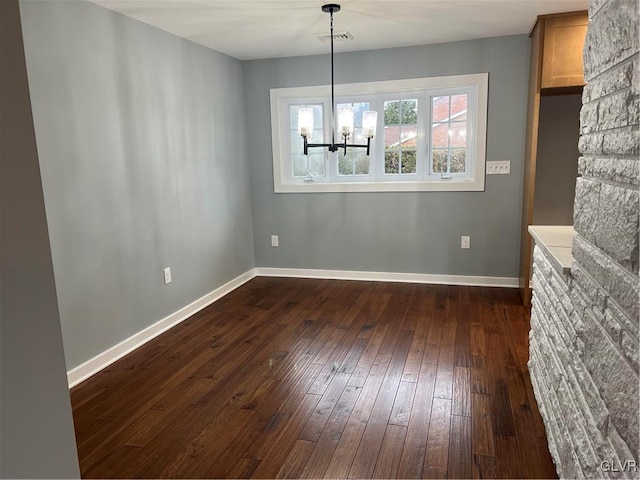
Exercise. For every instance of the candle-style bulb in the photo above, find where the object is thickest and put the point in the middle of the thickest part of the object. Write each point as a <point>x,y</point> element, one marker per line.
<point>305,121</point>
<point>345,120</point>
<point>369,123</point>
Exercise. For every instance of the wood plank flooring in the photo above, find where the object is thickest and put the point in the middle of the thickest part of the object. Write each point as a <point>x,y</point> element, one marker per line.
<point>293,378</point>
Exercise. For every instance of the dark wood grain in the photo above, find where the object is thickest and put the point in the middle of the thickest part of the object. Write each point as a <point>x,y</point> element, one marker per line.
<point>343,455</point>
<point>389,458</point>
<point>484,467</point>
<point>415,444</point>
<point>437,454</point>
<point>291,378</point>
<point>508,457</point>
<point>460,448</point>
<point>481,425</point>
<point>275,451</point>
<point>325,446</point>
<point>296,459</point>
<point>369,448</point>
<point>444,378</point>
<point>402,405</point>
<point>461,391</point>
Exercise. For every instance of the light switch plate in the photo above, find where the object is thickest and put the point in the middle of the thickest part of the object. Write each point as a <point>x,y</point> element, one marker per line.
<point>499,167</point>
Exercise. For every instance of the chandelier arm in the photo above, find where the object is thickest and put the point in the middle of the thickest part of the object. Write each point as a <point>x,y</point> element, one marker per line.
<point>334,147</point>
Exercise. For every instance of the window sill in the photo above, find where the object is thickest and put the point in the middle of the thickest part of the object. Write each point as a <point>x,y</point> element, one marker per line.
<point>424,186</point>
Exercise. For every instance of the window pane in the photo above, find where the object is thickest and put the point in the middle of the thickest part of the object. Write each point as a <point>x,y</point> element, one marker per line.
<point>458,160</point>
<point>439,159</point>
<point>439,135</point>
<point>345,165</point>
<point>458,107</point>
<point>459,117</point>
<point>316,163</point>
<point>401,112</point>
<point>408,161</point>
<point>458,134</point>
<point>295,144</point>
<point>300,165</point>
<point>392,113</point>
<point>409,110</point>
<point>409,136</point>
<point>440,109</point>
<point>362,165</point>
<point>392,136</point>
<point>449,108</point>
<point>391,162</point>
<point>355,162</point>
<point>317,136</point>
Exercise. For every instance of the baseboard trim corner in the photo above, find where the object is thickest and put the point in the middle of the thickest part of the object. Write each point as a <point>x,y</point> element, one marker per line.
<point>106,358</point>
<point>94,365</point>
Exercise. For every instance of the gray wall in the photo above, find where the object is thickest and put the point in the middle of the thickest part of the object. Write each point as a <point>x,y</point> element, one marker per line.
<point>144,166</point>
<point>36,427</point>
<point>395,232</point>
<point>557,163</point>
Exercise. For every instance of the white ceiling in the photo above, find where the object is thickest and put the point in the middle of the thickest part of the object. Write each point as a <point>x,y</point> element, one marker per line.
<point>252,29</point>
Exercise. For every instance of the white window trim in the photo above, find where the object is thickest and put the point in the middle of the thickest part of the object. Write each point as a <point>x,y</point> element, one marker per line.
<point>281,97</point>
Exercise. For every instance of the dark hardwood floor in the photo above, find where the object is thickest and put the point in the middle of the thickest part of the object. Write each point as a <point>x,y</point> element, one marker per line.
<point>293,378</point>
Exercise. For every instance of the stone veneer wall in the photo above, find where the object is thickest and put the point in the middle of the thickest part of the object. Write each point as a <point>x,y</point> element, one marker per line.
<point>584,326</point>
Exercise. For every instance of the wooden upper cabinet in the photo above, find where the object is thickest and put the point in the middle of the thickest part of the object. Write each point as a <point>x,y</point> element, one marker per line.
<point>557,43</point>
<point>562,50</point>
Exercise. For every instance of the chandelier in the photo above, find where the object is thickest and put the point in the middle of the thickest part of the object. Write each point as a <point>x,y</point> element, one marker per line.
<point>345,115</point>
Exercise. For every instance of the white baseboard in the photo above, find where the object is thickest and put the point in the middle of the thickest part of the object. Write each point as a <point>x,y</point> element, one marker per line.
<point>389,277</point>
<point>106,358</point>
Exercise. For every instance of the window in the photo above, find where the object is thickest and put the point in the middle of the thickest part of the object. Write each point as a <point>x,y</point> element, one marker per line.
<point>431,136</point>
<point>449,134</point>
<point>312,165</point>
<point>355,162</point>
<point>400,136</point>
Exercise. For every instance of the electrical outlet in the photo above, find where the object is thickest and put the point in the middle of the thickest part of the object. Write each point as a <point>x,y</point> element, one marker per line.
<point>465,241</point>
<point>501,167</point>
<point>167,275</point>
<point>274,240</point>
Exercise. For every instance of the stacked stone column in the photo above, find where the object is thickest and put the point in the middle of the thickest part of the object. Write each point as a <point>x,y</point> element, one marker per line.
<point>584,327</point>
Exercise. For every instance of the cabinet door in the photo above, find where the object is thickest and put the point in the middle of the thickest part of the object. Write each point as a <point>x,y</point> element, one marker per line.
<point>563,45</point>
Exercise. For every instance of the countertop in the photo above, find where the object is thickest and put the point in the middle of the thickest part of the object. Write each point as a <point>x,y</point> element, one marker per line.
<point>557,241</point>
